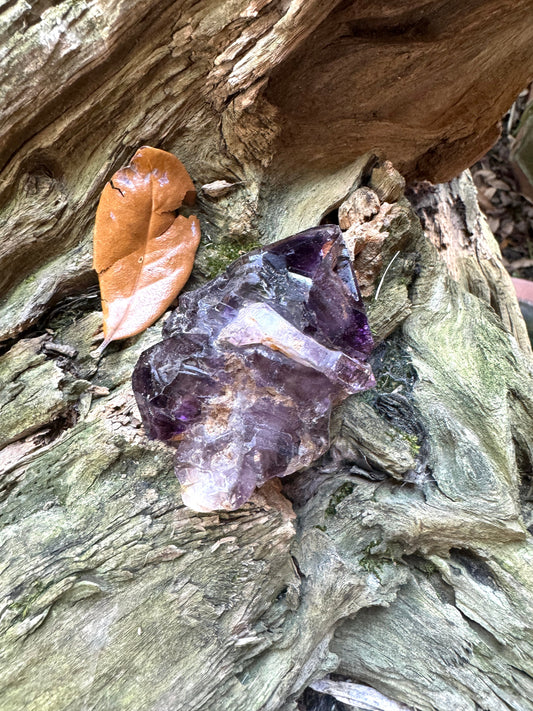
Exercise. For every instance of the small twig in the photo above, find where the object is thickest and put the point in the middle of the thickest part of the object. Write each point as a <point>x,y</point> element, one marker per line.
<point>384,275</point>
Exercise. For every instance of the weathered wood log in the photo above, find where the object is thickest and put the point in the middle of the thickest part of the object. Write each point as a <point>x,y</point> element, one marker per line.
<point>402,559</point>
<point>279,98</point>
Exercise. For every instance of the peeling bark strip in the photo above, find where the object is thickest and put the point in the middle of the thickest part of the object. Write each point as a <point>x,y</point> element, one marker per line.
<point>411,540</point>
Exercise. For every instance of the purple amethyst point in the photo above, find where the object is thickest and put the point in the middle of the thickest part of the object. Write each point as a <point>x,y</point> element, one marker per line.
<point>251,364</point>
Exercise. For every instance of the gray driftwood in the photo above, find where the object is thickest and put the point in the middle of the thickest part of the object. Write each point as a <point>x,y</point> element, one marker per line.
<point>402,560</point>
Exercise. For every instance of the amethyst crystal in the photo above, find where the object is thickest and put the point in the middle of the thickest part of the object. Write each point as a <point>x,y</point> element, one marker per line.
<point>250,366</point>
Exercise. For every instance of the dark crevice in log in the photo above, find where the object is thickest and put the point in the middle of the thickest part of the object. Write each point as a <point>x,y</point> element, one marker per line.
<point>475,566</point>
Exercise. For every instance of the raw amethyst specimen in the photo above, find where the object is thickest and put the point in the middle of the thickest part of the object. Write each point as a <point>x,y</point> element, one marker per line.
<point>250,366</point>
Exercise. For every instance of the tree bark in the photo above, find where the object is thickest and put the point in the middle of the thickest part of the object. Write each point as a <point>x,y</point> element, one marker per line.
<point>401,560</point>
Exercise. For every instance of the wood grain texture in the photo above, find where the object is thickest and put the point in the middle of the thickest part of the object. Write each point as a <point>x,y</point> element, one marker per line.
<point>416,526</point>
<point>258,93</point>
<point>404,557</point>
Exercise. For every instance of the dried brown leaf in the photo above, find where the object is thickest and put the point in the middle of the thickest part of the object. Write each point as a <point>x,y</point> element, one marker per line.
<point>143,253</point>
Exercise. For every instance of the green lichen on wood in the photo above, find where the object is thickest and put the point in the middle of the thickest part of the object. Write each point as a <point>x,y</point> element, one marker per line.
<point>216,257</point>
<point>376,556</point>
<point>95,539</point>
<point>36,390</point>
<point>414,442</point>
<point>340,494</point>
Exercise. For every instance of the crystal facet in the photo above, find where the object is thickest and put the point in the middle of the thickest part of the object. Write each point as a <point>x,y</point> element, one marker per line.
<point>251,364</point>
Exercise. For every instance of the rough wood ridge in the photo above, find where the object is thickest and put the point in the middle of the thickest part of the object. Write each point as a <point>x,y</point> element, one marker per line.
<point>404,560</point>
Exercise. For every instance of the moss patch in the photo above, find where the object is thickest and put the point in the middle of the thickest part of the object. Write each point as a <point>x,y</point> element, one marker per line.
<point>341,493</point>
<point>217,257</point>
<point>374,562</point>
